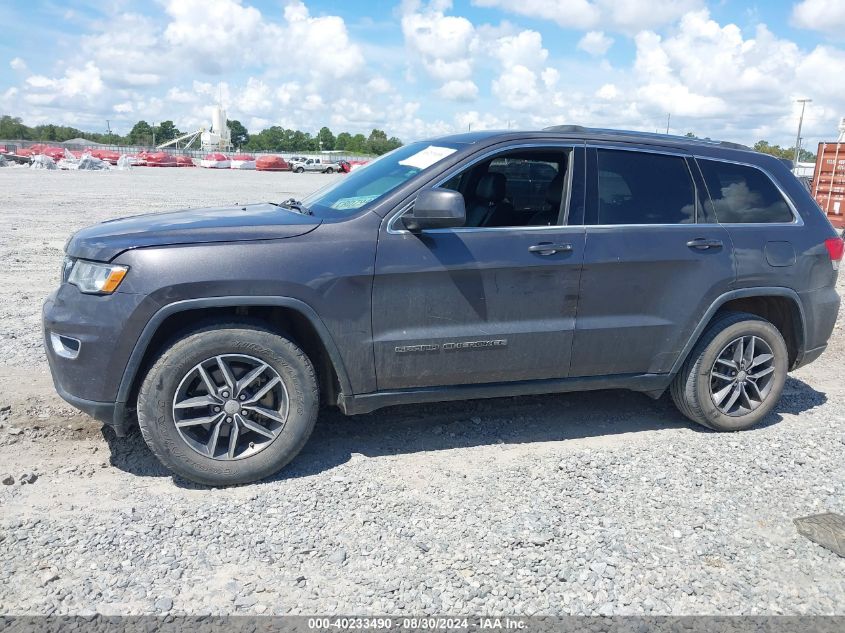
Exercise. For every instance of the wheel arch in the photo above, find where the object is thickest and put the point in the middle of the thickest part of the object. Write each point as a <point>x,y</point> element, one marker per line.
<point>781,306</point>
<point>284,315</point>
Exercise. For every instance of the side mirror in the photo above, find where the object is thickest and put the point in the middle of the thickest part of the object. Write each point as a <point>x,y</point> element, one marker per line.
<point>436,209</point>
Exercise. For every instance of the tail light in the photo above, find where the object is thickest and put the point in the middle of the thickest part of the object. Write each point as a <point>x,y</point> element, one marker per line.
<point>835,246</point>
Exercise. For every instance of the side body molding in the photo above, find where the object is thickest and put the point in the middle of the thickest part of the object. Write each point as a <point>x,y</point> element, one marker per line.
<point>158,318</point>
<point>742,293</point>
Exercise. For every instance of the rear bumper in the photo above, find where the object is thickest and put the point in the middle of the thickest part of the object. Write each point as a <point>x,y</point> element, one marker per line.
<point>821,308</point>
<point>810,355</point>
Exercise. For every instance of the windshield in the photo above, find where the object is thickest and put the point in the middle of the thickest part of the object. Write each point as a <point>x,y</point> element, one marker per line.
<point>369,183</point>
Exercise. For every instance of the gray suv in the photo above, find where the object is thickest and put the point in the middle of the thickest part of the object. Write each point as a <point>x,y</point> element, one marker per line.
<point>471,266</point>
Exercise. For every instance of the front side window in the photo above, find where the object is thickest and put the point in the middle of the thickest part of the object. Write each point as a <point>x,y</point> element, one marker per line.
<point>743,194</point>
<point>514,189</point>
<point>644,188</point>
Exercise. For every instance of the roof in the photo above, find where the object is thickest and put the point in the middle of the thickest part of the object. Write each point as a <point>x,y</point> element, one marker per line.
<point>592,134</point>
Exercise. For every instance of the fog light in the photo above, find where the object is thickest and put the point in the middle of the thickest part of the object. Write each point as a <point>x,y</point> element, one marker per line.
<point>65,346</point>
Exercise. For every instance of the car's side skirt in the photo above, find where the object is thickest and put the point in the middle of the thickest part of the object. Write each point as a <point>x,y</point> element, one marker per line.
<point>652,384</point>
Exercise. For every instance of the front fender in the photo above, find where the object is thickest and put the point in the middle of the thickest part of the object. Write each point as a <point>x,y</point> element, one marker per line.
<point>139,351</point>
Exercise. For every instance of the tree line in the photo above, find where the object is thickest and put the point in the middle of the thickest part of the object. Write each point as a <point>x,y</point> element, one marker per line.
<point>806,156</point>
<point>272,139</point>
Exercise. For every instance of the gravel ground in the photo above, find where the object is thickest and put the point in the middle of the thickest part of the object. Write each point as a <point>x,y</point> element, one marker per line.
<point>604,502</point>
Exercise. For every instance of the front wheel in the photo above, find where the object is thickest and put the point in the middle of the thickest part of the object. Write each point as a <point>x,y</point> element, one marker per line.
<point>735,374</point>
<point>229,404</point>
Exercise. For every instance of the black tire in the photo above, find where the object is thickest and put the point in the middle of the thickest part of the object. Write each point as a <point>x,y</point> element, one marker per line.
<point>330,170</point>
<point>157,393</point>
<point>691,387</point>
<point>299,170</point>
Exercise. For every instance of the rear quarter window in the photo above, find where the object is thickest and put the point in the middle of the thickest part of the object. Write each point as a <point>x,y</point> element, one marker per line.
<point>743,194</point>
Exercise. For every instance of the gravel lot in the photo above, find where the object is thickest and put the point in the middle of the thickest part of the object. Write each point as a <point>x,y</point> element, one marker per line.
<point>603,502</point>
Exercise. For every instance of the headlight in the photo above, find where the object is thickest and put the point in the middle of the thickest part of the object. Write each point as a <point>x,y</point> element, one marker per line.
<point>67,266</point>
<point>96,278</point>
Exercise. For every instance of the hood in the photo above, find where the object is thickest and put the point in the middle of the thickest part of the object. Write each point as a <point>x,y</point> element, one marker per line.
<point>264,221</point>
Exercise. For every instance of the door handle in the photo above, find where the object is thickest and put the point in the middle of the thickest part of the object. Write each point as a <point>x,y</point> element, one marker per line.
<point>547,248</point>
<point>702,244</point>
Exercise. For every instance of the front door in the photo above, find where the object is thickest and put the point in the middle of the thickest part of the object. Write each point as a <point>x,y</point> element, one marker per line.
<point>654,262</point>
<point>493,301</point>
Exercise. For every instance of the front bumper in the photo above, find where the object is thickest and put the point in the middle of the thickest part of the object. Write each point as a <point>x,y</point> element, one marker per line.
<point>89,379</point>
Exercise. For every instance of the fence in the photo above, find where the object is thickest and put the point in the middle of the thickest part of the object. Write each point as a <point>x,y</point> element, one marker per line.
<point>193,153</point>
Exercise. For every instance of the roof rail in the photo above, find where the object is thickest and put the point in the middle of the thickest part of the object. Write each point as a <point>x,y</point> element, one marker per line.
<point>580,129</point>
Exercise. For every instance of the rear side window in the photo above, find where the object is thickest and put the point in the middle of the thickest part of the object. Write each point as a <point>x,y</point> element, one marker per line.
<point>644,188</point>
<point>743,194</point>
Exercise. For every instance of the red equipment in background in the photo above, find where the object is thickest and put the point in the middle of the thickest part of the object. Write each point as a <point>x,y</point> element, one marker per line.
<point>828,185</point>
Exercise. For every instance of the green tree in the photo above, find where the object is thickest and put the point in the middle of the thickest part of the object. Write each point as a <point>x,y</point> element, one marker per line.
<point>327,139</point>
<point>358,144</point>
<point>239,134</point>
<point>300,142</point>
<point>784,152</point>
<point>47,132</point>
<point>166,131</point>
<point>12,128</point>
<point>140,134</point>
<point>690,135</point>
<point>343,140</point>
<point>377,142</point>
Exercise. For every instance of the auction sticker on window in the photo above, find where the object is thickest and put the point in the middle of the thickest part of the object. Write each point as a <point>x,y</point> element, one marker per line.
<point>354,202</point>
<point>427,157</point>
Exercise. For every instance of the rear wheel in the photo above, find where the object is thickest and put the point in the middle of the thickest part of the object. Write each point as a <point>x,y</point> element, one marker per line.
<point>330,170</point>
<point>299,170</point>
<point>735,374</point>
<point>228,405</point>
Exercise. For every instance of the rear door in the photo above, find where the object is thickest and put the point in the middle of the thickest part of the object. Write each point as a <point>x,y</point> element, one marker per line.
<point>654,261</point>
<point>482,304</point>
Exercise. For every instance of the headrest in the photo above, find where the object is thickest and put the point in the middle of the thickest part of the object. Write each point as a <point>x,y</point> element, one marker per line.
<point>491,187</point>
<point>554,192</point>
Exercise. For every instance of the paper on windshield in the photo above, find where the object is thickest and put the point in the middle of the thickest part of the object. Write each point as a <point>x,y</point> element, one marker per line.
<point>353,203</point>
<point>427,157</point>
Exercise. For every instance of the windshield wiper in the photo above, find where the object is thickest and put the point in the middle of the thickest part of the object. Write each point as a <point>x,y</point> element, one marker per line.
<point>296,205</point>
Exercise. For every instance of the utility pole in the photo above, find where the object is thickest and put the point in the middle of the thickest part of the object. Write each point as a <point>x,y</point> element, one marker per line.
<point>108,129</point>
<point>668,118</point>
<point>803,103</point>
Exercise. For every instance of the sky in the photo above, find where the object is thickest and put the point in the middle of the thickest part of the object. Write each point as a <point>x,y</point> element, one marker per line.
<point>726,69</point>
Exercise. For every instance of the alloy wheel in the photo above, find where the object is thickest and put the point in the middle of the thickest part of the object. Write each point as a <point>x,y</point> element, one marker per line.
<point>742,376</point>
<point>230,406</point>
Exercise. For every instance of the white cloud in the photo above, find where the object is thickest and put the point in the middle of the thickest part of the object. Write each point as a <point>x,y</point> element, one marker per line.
<point>516,88</point>
<point>608,92</point>
<point>294,67</point>
<point>523,49</point>
<point>321,45</point>
<point>379,85</point>
<point>215,34</point>
<point>443,44</point>
<point>77,86</point>
<point>621,15</point>
<point>578,14</point>
<point>458,90</point>
<point>595,43</point>
<point>820,15</point>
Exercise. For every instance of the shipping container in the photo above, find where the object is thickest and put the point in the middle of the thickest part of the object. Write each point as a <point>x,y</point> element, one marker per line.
<point>828,185</point>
